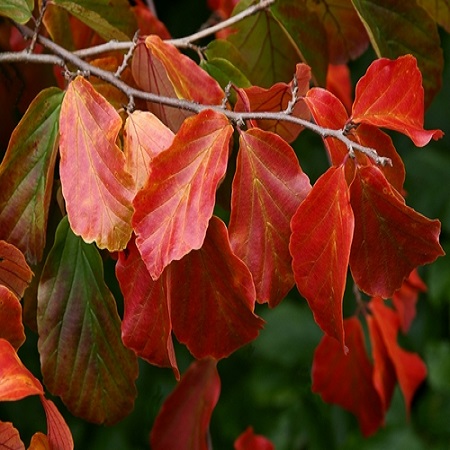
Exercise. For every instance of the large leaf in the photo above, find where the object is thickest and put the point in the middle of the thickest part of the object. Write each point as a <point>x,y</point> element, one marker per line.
<point>398,28</point>
<point>17,10</point>
<point>183,421</point>
<point>97,188</point>
<point>390,239</point>
<point>268,186</point>
<point>212,298</point>
<point>11,326</point>
<point>83,359</point>
<point>9,437</point>
<point>15,273</point>
<point>347,379</point>
<point>146,325</point>
<point>26,175</point>
<point>59,435</point>
<point>322,231</point>
<point>173,209</point>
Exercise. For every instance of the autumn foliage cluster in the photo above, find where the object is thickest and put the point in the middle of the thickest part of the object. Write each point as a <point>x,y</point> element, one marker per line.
<point>176,161</point>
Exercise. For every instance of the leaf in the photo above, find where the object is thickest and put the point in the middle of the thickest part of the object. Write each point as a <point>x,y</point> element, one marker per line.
<point>17,10</point>
<point>347,379</point>
<point>212,298</point>
<point>15,273</point>
<point>16,381</point>
<point>26,175</point>
<point>439,11</point>
<point>39,441</point>
<point>183,420</point>
<point>268,186</point>
<point>146,325</point>
<point>173,209</point>
<point>147,22</point>
<point>58,433</point>
<point>322,231</point>
<point>248,440</point>
<point>410,370</point>
<point>400,28</point>
<point>145,136</point>
<point>401,238</point>
<point>97,189</point>
<point>11,318</point>
<point>83,359</point>
<point>9,437</point>
<point>339,83</point>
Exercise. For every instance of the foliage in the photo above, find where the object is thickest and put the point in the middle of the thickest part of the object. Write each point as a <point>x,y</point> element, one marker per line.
<point>156,188</point>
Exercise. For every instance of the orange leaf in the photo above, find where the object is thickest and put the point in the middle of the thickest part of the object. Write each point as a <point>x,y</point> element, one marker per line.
<point>97,189</point>
<point>11,327</point>
<point>9,437</point>
<point>58,433</point>
<point>39,441</point>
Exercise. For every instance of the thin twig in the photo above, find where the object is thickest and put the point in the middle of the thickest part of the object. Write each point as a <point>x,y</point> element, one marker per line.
<point>128,56</point>
<point>37,27</point>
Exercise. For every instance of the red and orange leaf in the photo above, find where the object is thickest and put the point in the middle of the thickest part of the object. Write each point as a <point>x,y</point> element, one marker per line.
<point>410,370</point>
<point>268,187</point>
<point>339,83</point>
<point>39,441</point>
<point>146,324</point>
<point>212,298</point>
<point>147,22</point>
<point>248,440</point>
<point>173,209</point>
<point>347,379</point>
<point>183,421</point>
<point>58,433</point>
<point>15,273</point>
<point>145,136</point>
<point>26,175</point>
<point>390,238</point>
<point>384,99</point>
<point>9,437</point>
<point>95,184</point>
<point>11,328</point>
<point>322,231</point>
<point>16,381</point>
<point>276,99</point>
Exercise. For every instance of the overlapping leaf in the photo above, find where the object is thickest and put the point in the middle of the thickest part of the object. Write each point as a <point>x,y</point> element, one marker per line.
<point>17,10</point>
<point>173,209</point>
<point>347,379</point>
<point>26,175</point>
<point>9,437</point>
<point>401,238</point>
<point>11,328</point>
<point>212,298</point>
<point>183,421</point>
<point>83,359</point>
<point>58,433</point>
<point>97,188</point>
<point>268,187</point>
<point>15,273</point>
<point>439,11</point>
<point>146,325</point>
<point>322,231</point>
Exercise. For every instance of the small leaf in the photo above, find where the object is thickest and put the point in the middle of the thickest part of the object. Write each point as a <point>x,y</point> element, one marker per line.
<point>9,437</point>
<point>26,175</point>
<point>347,379</point>
<point>11,328</point>
<point>384,99</point>
<point>17,10</point>
<point>401,238</point>
<point>269,184</point>
<point>173,209</point>
<point>322,231</point>
<point>58,433</point>
<point>183,421</point>
<point>83,359</point>
<point>248,440</point>
<point>39,441</point>
<point>212,298</point>
<point>97,189</point>
<point>16,381</point>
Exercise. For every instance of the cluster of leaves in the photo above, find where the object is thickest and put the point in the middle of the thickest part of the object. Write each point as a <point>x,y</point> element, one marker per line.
<point>195,190</point>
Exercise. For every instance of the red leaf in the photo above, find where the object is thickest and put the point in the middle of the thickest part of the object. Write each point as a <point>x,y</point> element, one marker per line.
<point>172,211</point>
<point>9,437</point>
<point>183,420</point>
<point>410,370</point>
<point>391,95</point>
<point>11,318</point>
<point>339,83</point>
<point>347,379</point>
<point>58,433</point>
<point>16,381</point>
<point>146,324</point>
<point>269,185</point>
<point>212,297</point>
<point>248,440</point>
<point>322,230</point>
<point>97,189</point>
<point>15,273</point>
<point>390,238</point>
<point>147,23</point>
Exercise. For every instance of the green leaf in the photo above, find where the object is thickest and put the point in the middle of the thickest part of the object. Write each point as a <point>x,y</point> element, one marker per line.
<point>83,358</point>
<point>26,175</point>
<point>17,10</point>
<point>399,28</point>
<point>439,10</point>
<point>111,19</point>
<point>438,362</point>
